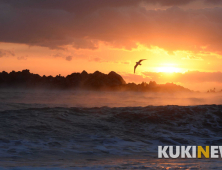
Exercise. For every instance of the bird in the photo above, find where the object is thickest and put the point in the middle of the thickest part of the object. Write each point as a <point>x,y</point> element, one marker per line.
<point>138,63</point>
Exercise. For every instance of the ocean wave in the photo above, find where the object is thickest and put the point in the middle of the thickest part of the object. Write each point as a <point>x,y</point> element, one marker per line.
<point>105,130</point>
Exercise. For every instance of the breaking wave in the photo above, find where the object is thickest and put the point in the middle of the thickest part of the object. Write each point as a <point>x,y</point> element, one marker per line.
<point>104,130</point>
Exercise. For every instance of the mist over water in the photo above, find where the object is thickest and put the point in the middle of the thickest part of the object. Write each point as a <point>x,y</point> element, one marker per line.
<point>18,98</point>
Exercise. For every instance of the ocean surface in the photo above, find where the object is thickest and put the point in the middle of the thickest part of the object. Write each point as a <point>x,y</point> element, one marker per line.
<point>42,129</point>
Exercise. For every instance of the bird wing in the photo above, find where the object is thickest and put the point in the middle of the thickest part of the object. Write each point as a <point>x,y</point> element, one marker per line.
<point>141,60</point>
<point>135,67</point>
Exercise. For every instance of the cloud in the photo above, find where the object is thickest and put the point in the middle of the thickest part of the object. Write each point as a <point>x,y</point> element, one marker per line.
<point>85,44</point>
<point>214,1</point>
<point>100,60</point>
<point>192,58</point>
<point>125,62</point>
<point>129,78</point>
<point>60,55</point>
<point>96,59</point>
<point>22,58</point>
<point>6,53</point>
<point>170,2</point>
<point>69,58</point>
<point>187,77</point>
<point>121,24</point>
<point>194,80</point>
<point>88,6</point>
<point>57,55</point>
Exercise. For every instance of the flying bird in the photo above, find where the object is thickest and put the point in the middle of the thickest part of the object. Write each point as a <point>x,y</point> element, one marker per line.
<point>138,63</point>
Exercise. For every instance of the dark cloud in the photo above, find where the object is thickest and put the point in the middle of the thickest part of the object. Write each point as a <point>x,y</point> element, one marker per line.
<point>85,44</point>
<point>6,53</point>
<point>57,55</point>
<point>170,2</point>
<point>22,58</point>
<point>69,58</point>
<point>87,6</point>
<point>119,23</point>
<point>60,55</point>
<point>214,1</point>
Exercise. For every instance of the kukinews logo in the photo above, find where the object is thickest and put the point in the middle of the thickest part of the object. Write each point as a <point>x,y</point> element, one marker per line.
<point>189,151</point>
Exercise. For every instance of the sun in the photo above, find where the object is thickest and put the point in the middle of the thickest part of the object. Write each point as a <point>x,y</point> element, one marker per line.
<point>168,69</point>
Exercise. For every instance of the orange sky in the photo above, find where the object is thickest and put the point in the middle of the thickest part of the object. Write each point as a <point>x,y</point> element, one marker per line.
<point>69,36</point>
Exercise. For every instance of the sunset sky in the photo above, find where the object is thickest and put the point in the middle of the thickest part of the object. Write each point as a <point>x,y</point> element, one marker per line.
<point>51,37</point>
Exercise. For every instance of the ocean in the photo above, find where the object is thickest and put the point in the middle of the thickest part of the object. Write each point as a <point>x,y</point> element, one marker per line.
<point>64,129</point>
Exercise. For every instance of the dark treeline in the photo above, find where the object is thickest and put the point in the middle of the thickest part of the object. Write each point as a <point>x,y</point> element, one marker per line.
<point>94,81</point>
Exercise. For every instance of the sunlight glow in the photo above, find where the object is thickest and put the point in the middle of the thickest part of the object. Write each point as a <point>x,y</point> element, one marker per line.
<point>168,69</point>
